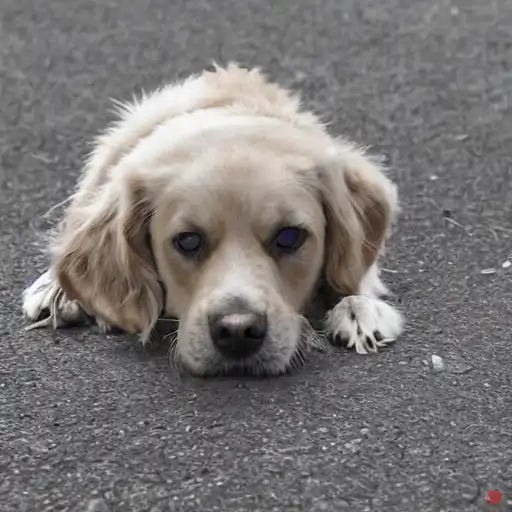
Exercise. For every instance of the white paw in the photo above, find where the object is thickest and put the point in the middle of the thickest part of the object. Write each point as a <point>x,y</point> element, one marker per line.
<point>44,297</point>
<point>38,296</point>
<point>364,323</point>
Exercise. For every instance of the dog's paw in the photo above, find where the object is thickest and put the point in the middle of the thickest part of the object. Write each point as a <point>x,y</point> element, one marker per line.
<point>45,303</point>
<point>364,323</point>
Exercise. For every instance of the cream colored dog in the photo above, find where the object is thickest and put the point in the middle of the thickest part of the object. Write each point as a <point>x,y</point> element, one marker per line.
<point>221,203</point>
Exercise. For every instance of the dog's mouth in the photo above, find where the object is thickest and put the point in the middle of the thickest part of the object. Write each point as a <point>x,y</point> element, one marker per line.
<point>249,367</point>
<point>265,363</point>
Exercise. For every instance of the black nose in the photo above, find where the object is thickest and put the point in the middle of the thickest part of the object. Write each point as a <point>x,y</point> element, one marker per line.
<point>238,334</point>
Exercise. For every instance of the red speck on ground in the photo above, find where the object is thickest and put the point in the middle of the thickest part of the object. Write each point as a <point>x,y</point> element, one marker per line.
<point>493,497</point>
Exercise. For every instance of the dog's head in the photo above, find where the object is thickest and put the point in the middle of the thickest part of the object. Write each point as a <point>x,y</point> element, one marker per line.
<point>226,220</point>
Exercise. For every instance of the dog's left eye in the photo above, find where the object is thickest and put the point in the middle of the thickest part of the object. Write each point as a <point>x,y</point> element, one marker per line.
<point>188,243</point>
<point>289,239</point>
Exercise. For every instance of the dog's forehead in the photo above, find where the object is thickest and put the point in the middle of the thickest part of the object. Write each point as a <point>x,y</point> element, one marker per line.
<point>255,186</point>
<point>249,171</point>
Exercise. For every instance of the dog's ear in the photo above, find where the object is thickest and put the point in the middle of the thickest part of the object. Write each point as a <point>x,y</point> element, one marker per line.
<point>360,204</point>
<point>103,258</point>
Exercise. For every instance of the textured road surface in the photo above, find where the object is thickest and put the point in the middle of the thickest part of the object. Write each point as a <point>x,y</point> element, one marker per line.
<point>94,423</point>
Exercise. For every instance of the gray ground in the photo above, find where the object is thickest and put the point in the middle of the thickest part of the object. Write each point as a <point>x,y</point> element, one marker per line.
<point>94,423</point>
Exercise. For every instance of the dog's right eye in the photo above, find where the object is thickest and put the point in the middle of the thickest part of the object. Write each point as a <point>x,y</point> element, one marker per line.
<point>188,243</point>
<point>289,240</point>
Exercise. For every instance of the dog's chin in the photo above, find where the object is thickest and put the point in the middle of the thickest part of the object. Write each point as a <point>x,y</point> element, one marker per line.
<point>249,367</point>
<point>258,365</point>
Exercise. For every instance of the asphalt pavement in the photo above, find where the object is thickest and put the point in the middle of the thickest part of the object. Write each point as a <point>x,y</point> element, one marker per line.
<point>93,423</point>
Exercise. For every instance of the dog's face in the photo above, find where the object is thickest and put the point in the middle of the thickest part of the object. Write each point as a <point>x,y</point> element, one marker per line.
<point>238,239</point>
<point>225,220</point>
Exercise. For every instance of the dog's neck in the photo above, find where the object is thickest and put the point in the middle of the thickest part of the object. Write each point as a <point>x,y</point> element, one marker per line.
<point>323,298</point>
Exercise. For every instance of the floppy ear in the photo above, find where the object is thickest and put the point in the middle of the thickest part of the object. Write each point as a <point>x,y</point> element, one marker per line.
<point>103,258</point>
<point>360,204</point>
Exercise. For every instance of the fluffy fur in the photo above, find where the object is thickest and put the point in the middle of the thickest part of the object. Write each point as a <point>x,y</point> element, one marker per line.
<point>233,156</point>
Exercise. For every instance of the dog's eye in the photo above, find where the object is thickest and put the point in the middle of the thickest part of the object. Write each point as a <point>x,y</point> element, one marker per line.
<point>289,239</point>
<point>188,243</point>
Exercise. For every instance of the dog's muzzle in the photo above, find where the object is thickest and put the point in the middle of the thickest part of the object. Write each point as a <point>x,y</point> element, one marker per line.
<point>238,332</point>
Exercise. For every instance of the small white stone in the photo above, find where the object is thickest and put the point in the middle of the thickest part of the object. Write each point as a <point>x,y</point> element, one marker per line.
<point>437,363</point>
<point>434,177</point>
<point>487,271</point>
<point>97,505</point>
<point>506,264</point>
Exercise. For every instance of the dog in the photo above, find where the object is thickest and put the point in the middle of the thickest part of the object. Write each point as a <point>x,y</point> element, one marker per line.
<point>220,202</point>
